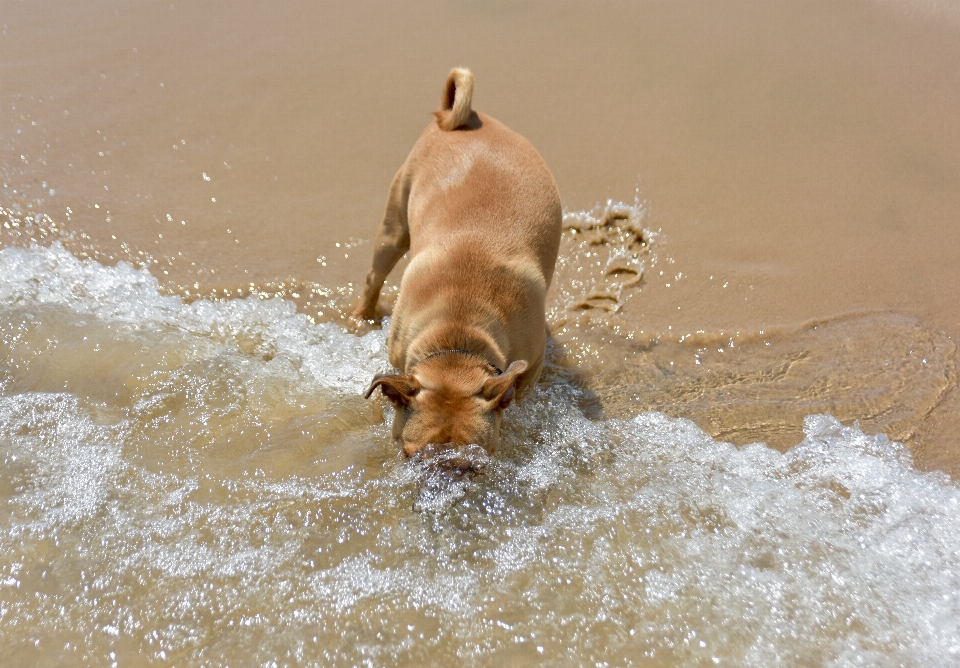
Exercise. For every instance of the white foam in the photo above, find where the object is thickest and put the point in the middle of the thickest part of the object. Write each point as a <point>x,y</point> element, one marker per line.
<point>618,541</point>
<point>52,276</point>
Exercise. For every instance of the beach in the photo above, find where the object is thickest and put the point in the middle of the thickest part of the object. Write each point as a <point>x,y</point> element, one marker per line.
<point>761,209</point>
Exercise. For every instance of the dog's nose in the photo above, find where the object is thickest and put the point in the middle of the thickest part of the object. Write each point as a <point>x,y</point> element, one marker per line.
<point>431,450</point>
<point>455,458</point>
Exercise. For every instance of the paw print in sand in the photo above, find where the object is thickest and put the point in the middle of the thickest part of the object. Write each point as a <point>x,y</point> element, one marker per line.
<point>603,253</point>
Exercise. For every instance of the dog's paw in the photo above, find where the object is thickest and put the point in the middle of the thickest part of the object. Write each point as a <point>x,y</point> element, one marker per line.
<point>359,325</point>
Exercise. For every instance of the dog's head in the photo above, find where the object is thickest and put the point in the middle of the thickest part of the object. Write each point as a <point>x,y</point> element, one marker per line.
<point>450,400</point>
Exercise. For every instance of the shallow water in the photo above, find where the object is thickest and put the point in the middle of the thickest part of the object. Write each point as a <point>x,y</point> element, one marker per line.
<point>201,483</point>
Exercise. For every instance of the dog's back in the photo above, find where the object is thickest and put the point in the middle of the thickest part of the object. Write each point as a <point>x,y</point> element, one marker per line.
<point>484,220</point>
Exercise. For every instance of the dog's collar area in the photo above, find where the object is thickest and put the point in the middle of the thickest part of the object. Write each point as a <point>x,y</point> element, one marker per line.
<point>460,351</point>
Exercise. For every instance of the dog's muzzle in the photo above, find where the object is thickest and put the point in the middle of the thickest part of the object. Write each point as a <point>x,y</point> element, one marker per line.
<point>456,461</point>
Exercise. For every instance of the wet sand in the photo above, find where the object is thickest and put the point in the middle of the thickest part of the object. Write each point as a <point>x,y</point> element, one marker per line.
<point>801,161</point>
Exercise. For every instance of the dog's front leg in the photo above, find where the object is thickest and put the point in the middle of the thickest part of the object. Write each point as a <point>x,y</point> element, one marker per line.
<point>393,240</point>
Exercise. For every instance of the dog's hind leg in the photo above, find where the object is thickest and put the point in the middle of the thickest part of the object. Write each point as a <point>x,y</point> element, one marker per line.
<point>393,240</point>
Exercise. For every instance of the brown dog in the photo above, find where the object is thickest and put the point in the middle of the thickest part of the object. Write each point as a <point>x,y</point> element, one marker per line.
<point>480,213</point>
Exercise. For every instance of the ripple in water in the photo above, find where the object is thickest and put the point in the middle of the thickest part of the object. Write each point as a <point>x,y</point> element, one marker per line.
<point>200,484</point>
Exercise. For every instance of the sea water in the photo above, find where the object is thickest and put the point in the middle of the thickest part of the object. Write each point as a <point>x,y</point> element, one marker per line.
<point>202,484</point>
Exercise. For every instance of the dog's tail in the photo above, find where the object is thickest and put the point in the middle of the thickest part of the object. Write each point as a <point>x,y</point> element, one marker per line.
<point>455,102</point>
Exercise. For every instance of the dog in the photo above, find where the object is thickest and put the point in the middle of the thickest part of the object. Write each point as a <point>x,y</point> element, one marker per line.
<point>480,214</point>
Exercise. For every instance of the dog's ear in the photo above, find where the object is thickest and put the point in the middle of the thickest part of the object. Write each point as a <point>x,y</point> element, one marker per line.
<point>501,389</point>
<point>398,389</point>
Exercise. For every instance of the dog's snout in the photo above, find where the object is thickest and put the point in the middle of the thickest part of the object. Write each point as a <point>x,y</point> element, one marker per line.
<point>455,459</point>
<point>431,450</point>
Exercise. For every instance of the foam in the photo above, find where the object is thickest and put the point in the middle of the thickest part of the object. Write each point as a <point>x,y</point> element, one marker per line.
<point>53,277</point>
<point>583,541</point>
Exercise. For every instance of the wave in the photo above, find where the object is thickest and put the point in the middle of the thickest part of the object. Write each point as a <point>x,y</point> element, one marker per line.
<point>201,483</point>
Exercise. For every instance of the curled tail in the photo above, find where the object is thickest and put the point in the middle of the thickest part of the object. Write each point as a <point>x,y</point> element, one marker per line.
<point>455,102</point>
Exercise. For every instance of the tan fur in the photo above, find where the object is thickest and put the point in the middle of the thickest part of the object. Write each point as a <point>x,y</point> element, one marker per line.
<point>479,211</point>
